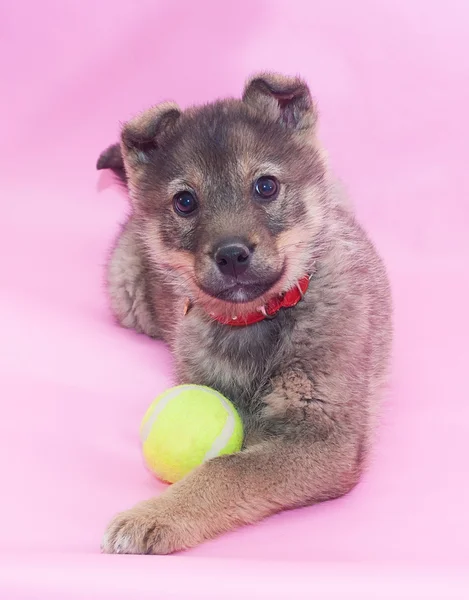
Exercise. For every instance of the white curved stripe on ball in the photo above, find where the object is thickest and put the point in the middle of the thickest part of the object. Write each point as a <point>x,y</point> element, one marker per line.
<point>223,437</point>
<point>145,432</point>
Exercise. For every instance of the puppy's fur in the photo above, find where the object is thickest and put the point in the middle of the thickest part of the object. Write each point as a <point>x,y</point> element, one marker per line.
<point>307,383</point>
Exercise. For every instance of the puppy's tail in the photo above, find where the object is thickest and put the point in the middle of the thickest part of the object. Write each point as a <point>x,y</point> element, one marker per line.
<point>111,158</point>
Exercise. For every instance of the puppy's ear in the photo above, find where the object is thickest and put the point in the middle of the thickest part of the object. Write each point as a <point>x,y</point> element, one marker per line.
<point>283,99</point>
<point>142,136</point>
<point>111,158</point>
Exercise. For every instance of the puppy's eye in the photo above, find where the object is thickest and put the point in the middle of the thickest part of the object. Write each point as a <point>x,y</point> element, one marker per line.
<point>184,204</point>
<point>266,188</point>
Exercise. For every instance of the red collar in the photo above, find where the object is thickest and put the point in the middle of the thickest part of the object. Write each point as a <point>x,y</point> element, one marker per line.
<point>271,308</point>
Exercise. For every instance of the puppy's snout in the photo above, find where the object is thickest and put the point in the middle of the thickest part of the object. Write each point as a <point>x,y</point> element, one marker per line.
<point>233,257</point>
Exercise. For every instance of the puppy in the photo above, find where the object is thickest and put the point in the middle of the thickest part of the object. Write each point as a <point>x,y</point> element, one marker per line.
<point>241,254</point>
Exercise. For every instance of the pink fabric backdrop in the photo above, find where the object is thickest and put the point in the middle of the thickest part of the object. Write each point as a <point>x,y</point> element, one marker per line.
<point>392,80</point>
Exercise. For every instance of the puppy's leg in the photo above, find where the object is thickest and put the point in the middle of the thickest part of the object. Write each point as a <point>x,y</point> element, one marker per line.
<point>129,285</point>
<point>313,460</point>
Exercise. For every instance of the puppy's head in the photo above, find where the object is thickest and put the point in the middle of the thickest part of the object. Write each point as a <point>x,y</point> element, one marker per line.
<point>229,195</point>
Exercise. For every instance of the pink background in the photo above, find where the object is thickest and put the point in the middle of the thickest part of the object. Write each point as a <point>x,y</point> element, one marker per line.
<point>392,81</point>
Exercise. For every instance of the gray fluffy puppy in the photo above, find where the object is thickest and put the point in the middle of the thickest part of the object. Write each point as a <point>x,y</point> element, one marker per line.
<point>243,256</point>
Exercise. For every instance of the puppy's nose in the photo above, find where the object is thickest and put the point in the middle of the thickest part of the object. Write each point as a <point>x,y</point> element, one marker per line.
<point>233,258</point>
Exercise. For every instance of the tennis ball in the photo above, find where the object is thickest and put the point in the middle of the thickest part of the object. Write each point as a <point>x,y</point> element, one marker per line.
<point>185,426</point>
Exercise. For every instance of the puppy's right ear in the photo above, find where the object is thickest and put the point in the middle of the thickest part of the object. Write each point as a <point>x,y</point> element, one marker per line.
<point>142,136</point>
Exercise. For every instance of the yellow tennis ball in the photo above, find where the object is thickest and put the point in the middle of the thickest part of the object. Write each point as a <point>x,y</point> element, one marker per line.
<point>185,426</point>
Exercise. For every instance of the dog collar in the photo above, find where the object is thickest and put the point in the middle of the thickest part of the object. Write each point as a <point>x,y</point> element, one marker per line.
<point>271,308</point>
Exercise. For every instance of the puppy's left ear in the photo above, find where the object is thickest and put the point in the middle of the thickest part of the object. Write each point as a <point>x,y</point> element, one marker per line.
<point>284,99</point>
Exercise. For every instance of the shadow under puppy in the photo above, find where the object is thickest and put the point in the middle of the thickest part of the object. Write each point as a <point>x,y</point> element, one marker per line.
<point>234,210</point>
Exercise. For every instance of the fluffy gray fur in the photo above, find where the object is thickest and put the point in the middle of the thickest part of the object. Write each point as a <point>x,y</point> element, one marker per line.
<point>307,383</point>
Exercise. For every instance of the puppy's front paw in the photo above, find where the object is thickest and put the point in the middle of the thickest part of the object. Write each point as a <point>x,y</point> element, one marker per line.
<point>141,530</point>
